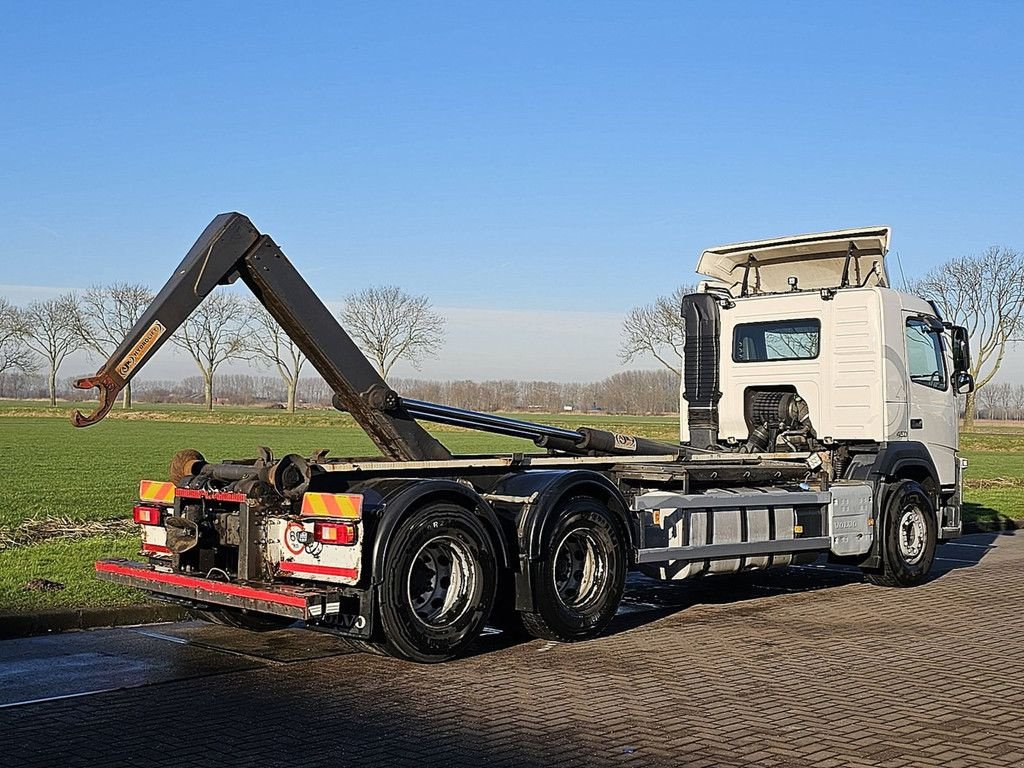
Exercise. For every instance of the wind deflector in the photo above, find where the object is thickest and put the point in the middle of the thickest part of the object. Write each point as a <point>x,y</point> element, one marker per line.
<point>843,258</point>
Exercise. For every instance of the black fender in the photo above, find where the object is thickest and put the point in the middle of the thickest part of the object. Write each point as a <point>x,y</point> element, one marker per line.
<point>543,491</point>
<point>388,501</point>
<point>891,461</point>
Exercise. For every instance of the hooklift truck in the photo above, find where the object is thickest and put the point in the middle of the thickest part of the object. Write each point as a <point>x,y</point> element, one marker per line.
<point>822,417</point>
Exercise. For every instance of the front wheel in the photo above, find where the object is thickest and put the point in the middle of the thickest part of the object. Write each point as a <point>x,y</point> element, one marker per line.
<point>439,584</point>
<point>909,536</point>
<point>582,575</point>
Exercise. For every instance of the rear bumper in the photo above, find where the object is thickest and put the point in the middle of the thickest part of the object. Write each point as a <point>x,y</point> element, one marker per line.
<point>342,609</point>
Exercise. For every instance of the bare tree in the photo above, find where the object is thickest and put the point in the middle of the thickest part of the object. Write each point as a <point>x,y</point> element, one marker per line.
<point>985,294</point>
<point>1017,402</point>
<point>272,346</point>
<point>108,314</point>
<point>215,333</point>
<point>987,403</point>
<point>391,325</point>
<point>52,331</point>
<point>14,352</point>
<point>1002,395</point>
<point>657,329</point>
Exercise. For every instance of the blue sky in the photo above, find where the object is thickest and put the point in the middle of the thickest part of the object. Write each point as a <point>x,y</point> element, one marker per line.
<point>504,157</point>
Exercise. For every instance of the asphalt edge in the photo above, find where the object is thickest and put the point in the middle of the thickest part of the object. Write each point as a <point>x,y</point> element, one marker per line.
<point>68,619</point>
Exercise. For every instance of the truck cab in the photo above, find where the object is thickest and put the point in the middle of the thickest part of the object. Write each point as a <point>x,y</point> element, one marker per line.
<point>875,368</point>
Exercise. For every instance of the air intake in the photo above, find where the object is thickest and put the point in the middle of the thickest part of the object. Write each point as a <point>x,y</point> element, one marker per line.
<point>701,355</point>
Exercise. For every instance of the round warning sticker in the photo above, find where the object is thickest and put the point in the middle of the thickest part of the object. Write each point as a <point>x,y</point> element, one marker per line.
<point>293,537</point>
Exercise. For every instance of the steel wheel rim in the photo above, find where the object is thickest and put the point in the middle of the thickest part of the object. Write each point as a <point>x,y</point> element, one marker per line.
<point>913,534</point>
<point>441,581</point>
<point>580,568</point>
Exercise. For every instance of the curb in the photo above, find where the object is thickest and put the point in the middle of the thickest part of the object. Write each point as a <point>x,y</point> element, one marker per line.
<point>63,620</point>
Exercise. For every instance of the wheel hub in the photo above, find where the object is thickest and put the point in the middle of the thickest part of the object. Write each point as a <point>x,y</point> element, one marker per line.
<point>581,568</point>
<point>913,534</point>
<point>441,581</point>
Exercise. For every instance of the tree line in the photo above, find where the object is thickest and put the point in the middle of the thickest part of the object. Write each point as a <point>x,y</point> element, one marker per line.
<point>1001,401</point>
<point>636,392</point>
<point>388,323</point>
<point>629,392</point>
<point>984,293</point>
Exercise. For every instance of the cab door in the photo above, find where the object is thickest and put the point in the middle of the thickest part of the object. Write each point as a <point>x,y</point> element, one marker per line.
<point>934,419</point>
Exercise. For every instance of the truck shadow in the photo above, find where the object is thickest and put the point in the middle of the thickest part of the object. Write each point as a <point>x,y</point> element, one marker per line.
<point>648,600</point>
<point>986,519</point>
<point>967,551</point>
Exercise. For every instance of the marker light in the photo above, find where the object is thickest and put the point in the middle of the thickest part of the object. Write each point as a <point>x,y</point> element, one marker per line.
<point>144,515</point>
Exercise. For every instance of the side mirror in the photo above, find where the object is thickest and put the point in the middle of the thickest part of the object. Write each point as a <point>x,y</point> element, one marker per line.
<point>963,382</point>
<point>961,347</point>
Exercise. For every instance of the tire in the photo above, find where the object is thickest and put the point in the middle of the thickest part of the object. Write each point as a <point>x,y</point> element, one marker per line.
<point>235,617</point>
<point>438,584</point>
<point>909,537</point>
<point>582,573</point>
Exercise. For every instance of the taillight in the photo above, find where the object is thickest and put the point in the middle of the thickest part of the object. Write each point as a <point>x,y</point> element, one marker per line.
<point>334,533</point>
<point>144,515</point>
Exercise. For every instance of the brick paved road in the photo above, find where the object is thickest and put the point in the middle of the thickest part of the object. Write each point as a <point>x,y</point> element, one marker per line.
<point>797,668</point>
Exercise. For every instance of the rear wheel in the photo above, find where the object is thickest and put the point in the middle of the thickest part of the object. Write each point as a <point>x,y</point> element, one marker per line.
<point>235,617</point>
<point>438,585</point>
<point>582,575</point>
<point>909,537</point>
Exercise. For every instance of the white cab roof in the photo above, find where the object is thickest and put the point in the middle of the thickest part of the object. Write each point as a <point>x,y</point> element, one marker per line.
<point>816,260</point>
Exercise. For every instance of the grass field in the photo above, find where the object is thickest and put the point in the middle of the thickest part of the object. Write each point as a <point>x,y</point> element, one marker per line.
<point>56,471</point>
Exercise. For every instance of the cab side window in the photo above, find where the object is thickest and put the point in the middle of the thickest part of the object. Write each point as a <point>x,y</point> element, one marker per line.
<point>776,340</point>
<point>924,355</point>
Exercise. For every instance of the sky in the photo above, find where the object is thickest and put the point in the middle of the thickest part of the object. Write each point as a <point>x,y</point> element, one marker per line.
<point>535,168</point>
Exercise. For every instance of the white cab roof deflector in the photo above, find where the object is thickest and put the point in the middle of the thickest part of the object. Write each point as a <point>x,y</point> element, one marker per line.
<point>841,259</point>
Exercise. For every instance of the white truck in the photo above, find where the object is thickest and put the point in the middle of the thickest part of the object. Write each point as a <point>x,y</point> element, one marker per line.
<point>822,411</point>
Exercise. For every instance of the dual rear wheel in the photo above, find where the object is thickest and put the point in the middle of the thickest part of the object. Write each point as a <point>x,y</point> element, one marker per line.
<point>440,580</point>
